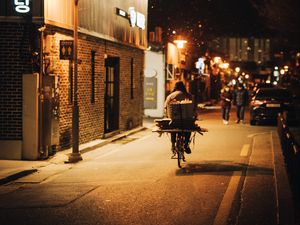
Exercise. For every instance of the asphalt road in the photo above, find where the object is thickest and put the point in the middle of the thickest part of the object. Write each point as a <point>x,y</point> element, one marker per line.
<point>228,179</point>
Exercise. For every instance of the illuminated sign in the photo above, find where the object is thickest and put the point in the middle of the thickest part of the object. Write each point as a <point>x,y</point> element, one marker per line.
<point>132,16</point>
<point>121,12</point>
<point>140,20</point>
<point>22,6</point>
<point>22,9</point>
<point>135,18</point>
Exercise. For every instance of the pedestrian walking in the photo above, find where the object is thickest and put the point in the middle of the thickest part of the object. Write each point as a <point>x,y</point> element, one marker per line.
<point>240,99</point>
<point>226,98</point>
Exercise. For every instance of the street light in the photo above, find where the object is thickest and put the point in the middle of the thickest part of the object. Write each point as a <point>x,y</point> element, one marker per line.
<point>75,155</point>
<point>180,44</point>
<point>237,69</point>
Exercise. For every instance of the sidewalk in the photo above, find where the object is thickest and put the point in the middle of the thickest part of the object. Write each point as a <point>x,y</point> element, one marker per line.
<point>11,170</point>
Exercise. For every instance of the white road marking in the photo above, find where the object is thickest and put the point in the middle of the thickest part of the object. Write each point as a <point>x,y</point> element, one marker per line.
<point>245,150</point>
<point>255,134</point>
<point>275,180</point>
<point>225,206</point>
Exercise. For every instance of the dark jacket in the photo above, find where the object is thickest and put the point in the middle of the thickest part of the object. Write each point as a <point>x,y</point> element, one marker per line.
<point>241,97</point>
<point>226,98</point>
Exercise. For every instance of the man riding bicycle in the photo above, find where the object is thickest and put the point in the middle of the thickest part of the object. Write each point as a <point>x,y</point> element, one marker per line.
<point>178,94</point>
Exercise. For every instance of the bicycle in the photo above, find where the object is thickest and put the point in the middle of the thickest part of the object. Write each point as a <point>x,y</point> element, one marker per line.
<point>180,139</point>
<point>179,149</point>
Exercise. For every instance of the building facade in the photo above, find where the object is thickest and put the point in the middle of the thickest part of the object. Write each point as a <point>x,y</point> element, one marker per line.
<point>37,72</point>
<point>154,88</point>
<point>239,49</point>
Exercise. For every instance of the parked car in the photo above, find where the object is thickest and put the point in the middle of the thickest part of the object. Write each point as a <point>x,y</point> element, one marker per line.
<point>260,85</point>
<point>267,103</point>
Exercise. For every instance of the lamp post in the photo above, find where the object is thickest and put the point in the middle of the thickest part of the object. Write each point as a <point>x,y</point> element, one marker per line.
<point>75,155</point>
<point>42,151</point>
<point>180,43</point>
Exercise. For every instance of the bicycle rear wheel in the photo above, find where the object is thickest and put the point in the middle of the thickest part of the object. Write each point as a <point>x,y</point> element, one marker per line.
<point>178,159</point>
<point>180,149</point>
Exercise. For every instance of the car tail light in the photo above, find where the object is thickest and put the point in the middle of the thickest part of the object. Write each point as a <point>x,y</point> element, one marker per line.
<point>257,103</point>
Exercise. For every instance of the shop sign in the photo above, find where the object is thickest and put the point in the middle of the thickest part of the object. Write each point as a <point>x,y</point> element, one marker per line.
<point>22,6</point>
<point>132,16</point>
<point>121,12</point>
<point>140,20</point>
<point>150,93</point>
<point>135,18</point>
<point>66,48</point>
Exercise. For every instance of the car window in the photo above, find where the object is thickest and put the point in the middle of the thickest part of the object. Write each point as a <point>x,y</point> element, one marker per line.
<point>277,94</point>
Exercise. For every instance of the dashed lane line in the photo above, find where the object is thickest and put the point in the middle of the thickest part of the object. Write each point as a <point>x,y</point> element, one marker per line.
<point>226,204</point>
<point>245,150</point>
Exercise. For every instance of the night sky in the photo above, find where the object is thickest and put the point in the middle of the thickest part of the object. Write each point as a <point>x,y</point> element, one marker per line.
<point>214,16</point>
<point>203,19</point>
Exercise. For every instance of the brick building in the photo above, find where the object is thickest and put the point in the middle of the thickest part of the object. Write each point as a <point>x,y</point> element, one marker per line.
<point>112,40</point>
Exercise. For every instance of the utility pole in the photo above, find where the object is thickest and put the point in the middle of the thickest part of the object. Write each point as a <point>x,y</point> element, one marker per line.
<point>75,155</point>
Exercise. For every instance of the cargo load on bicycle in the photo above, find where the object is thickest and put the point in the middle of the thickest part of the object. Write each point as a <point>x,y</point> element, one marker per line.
<point>182,121</point>
<point>180,115</point>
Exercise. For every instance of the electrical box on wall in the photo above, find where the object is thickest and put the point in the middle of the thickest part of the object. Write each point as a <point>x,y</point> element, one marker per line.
<point>30,116</point>
<point>51,114</point>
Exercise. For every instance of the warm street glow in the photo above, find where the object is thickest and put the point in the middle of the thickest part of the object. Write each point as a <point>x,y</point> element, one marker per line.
<point>180,43</point>
<point>224,66</point>
<point>217,59</point>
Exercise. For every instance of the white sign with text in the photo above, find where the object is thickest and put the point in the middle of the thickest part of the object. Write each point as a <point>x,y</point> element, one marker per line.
<point>22,6</point>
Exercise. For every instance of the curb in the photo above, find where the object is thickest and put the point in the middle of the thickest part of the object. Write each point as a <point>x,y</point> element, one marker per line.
<point>17,176</point>
<point>285,206</point>
<point>112,139</point>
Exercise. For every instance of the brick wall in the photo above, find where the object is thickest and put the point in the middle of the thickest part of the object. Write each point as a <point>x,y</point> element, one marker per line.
<point>17,42</point>
<point>91,118</point>
<point>131,109</point>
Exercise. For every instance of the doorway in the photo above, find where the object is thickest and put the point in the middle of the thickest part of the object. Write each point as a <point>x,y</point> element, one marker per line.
<point>111,95</point>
